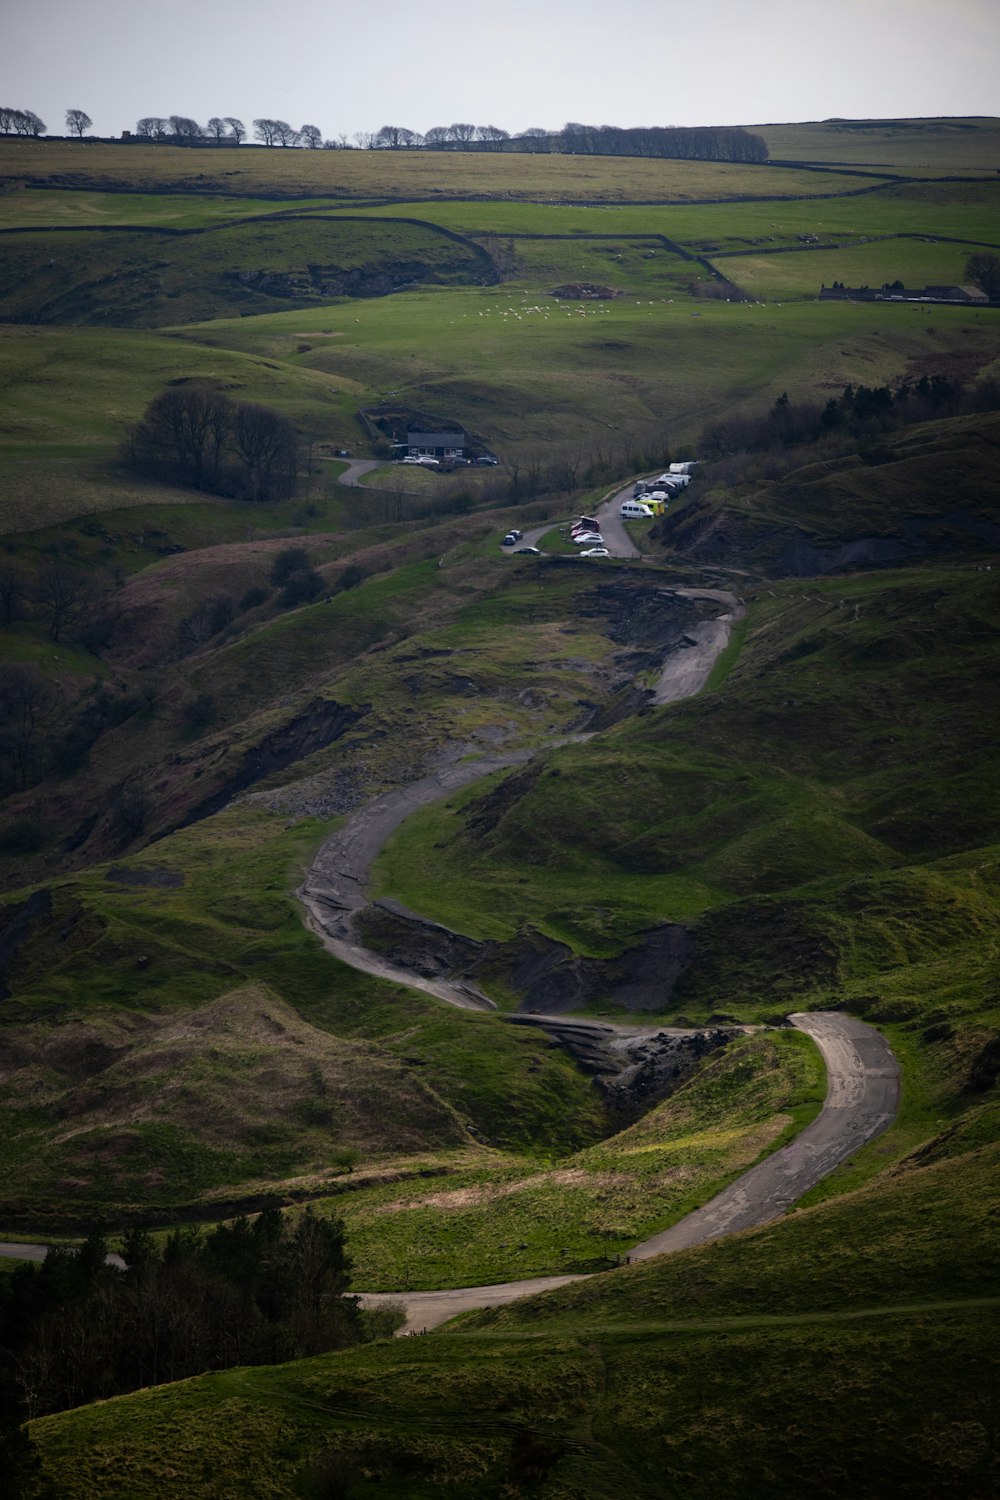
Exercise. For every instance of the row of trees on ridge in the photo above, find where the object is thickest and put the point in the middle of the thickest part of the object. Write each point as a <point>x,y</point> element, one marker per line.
<point>708,143</point>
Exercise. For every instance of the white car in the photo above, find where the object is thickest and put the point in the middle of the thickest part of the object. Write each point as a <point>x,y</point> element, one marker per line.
<point>594,552</point>
<point>589,539</point>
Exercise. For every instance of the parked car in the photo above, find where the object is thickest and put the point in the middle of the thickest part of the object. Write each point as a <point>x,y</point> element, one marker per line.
<point>589,521</point>
<point>589,539</point>
<point>517,535</point>
<point>594,552</point>
<point>487,458</point>
<point>527,552</point>
<point>634,510</point>
<point>511,539</point>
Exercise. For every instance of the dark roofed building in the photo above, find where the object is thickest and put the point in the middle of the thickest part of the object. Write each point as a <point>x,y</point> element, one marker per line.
<point>436,444</point>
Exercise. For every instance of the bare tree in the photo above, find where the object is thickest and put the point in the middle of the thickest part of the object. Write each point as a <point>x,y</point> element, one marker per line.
<point>437,137</point>
<point>984,272</point>
<point>266,444</point>
<point>182,436</point>
<point>263,131</point>
<point>396,137</point>
<point>26,122</point>
<point>534,138</point>
<point>154,127</point>
<point>311,136</point>
<point>6,119</point>
<point>237,128</point>
<point>462,132</point>
<point>77,120</point>
<point>27,701</point>
<point>13,592</point>
<point>184,129</point>
<point>493,136</point>
<point>365,140</point>
<point>63,595</point>
<point>216,128</point>
<point>285,134</point>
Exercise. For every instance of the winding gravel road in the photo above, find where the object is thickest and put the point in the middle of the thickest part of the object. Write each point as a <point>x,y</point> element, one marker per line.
<point>861,1101</point>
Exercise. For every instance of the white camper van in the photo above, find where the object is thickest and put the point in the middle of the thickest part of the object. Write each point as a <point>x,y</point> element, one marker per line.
<point>634,510</point>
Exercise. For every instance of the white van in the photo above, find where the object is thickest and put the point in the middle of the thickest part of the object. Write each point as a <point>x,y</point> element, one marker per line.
<point>634,510</point>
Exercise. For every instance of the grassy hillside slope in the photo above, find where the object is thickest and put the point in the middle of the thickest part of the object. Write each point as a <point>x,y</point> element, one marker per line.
<point>849,1349</point>
<point>822,819</point>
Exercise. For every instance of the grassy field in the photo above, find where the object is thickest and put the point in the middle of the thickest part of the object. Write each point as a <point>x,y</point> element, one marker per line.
<point>963,210</point>
<point>160,277</point>
<point>535,374</point>
<point>254,171</point>
<point>55,208</point>
<point>916,263</point>
<point>70,395</point>
<point>928,145</point>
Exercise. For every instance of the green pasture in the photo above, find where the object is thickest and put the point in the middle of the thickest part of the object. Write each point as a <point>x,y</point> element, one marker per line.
<point>255,172</point>
<point>960,210</point>
<point>151,279</point>
<point>635,267</point>
<point>919,145</point>
<point>55,208</point>
<point>872,1398</point>
<point>514,364</point>
<point>916,263</point>
<point>525,369</point>
<point>70,395</point>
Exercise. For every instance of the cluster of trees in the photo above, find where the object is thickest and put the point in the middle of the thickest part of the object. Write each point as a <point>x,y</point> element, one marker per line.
<point>183,130</point>
<point>198,437</point>
<point>983,271</point>
<point>21,122</point>
<point>857,413</point>
<point>707,143</point>
<point>702,144</point>
<point>79,1329</point>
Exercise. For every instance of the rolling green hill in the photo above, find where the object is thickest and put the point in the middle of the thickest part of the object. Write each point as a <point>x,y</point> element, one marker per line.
<point>120,279</point>
<point>822,819</point>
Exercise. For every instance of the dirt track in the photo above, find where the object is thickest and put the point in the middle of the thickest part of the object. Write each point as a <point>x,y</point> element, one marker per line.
<point>861,1101</point>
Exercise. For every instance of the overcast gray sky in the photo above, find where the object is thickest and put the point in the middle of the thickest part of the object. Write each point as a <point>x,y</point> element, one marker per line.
<point>515,63</point>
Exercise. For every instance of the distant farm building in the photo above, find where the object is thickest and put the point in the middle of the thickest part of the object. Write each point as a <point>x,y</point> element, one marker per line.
<point>896,292</point>
<point>435,444</point>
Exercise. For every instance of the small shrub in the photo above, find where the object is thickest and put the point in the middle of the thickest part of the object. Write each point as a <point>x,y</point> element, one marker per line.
<point>301,588</point>
<point>351,577</point>
<point>253,596</point>
<point>290,560</point>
